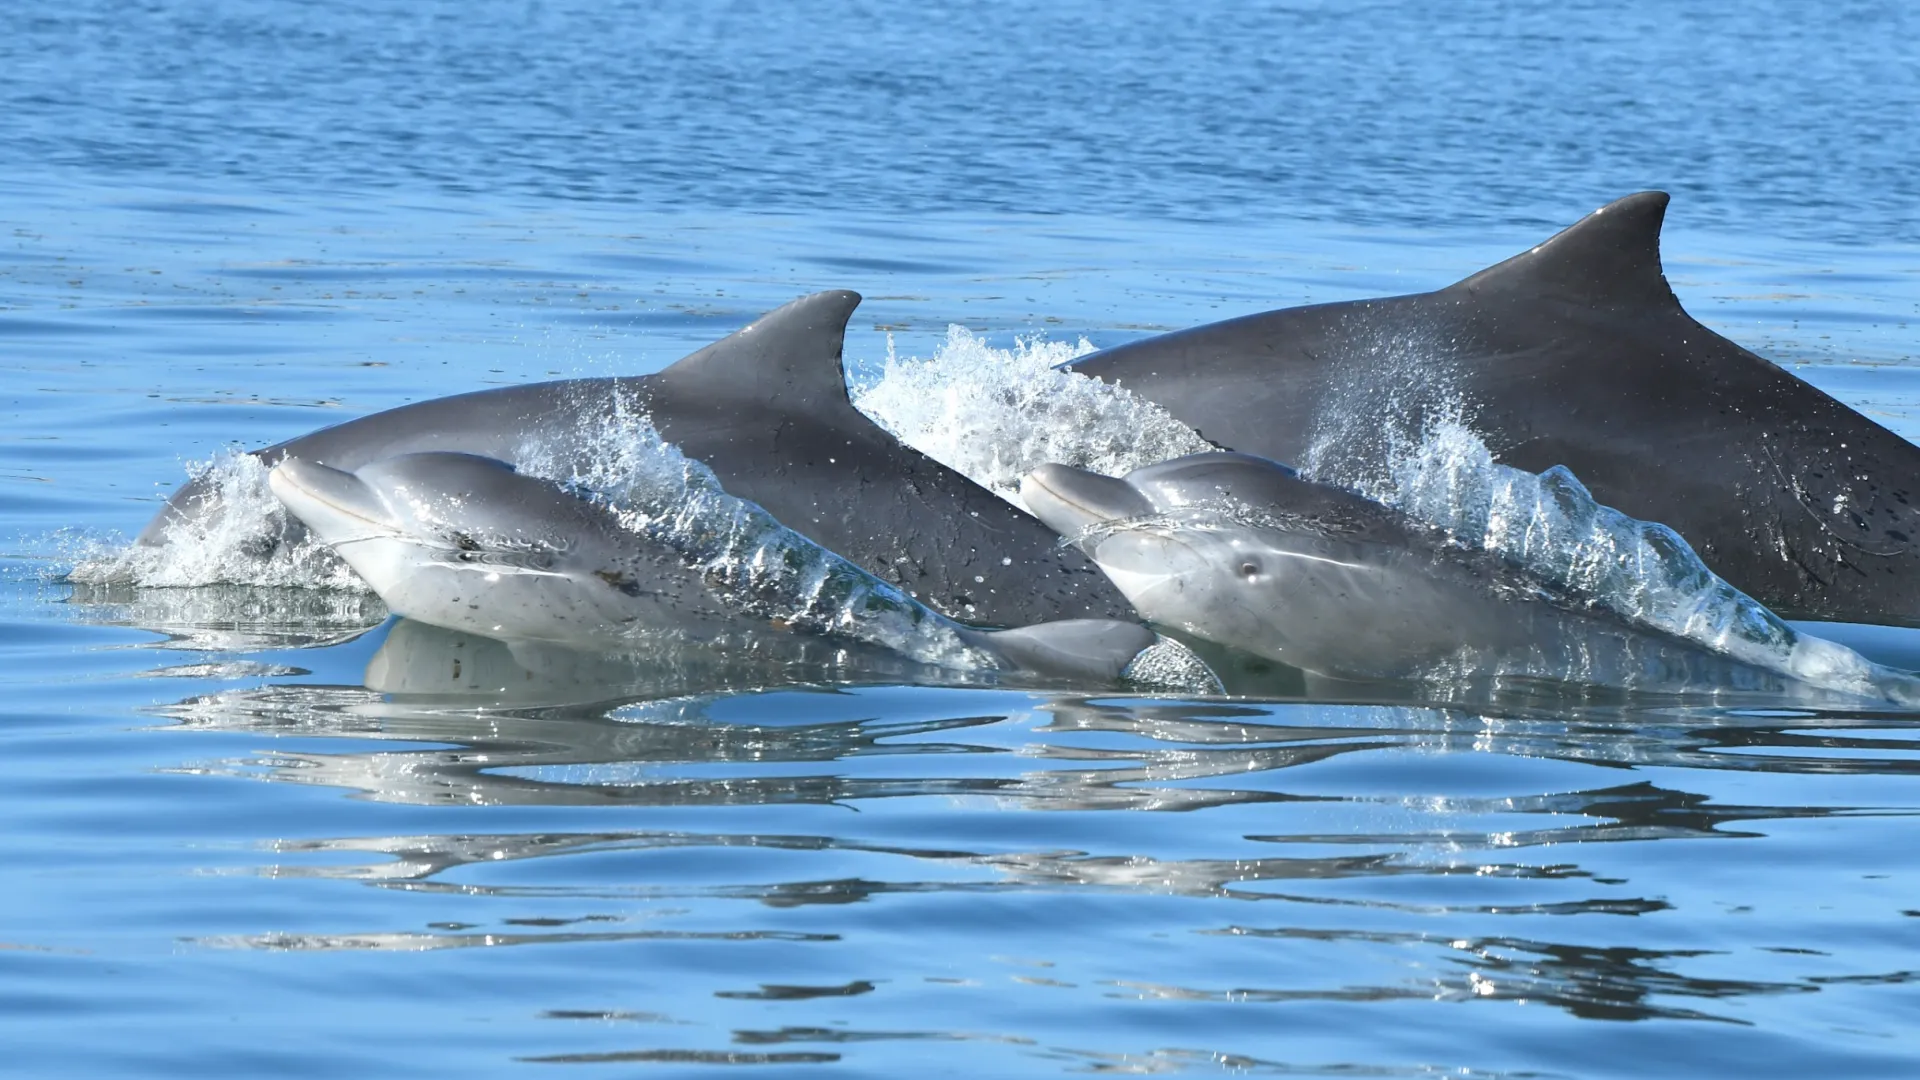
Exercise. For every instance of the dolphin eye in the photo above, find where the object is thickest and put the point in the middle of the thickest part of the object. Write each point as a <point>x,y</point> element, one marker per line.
<point>1249,570</point>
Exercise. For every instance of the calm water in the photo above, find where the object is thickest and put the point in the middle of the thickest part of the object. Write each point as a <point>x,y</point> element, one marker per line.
<point>256,832</point>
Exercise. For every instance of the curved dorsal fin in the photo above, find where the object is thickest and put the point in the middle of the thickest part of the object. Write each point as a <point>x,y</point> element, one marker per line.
<point>791,354</point>
<point>1611,256</point>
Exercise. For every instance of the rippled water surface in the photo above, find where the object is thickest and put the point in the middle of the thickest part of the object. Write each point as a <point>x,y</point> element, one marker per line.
<point>269,832</point>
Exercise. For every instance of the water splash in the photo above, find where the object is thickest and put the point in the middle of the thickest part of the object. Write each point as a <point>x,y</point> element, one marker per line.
<point>994,415</point>
<point>1551,525</point>
<point>1171,664</point>
<point>752,562</point>
<point>239,536</point>
<point>1399,437</point>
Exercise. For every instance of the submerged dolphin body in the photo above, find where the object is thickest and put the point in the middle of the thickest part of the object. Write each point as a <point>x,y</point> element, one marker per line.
<point>1242,552</point>
<point>1575,353</point>
<point>467,543</point>
<point>765,409</point>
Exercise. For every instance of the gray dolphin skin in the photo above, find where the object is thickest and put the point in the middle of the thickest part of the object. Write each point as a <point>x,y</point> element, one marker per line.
<point>1576,353</point>
<point>767,410</point>
<point>1241,551</point>
<point>466,543</point>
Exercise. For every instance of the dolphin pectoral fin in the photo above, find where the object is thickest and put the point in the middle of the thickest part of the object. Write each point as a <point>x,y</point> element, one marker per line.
<point>1080,648</point>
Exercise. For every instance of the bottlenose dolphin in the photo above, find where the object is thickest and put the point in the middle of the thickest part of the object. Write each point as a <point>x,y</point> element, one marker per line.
<point>1242,551</point>
<point>765,409</point>
<point>1575,353</point>
<point>467,543</point>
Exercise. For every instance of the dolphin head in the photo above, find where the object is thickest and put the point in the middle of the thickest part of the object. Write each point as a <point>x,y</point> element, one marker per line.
<point>467,543</point>
<point>393,515</point>
<point>1234,549</point>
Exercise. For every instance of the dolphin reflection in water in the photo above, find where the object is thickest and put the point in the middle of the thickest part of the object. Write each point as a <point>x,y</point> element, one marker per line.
<point>1326,836</point>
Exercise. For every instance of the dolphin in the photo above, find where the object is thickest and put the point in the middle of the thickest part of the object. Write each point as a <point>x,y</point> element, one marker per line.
<point>1243,552</point>
<point>1574,353</point>
<point>766,409</point>
<point>468,543</point>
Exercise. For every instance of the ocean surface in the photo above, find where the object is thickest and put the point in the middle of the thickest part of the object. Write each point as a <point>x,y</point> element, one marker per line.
<point>265,832</point>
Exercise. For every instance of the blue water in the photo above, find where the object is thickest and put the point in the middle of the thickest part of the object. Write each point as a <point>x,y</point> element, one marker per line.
<point>225,852</point>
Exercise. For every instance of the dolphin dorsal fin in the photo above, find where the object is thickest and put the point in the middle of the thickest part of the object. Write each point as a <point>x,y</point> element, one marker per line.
<point>1609,257</point>
<point>791,354</point>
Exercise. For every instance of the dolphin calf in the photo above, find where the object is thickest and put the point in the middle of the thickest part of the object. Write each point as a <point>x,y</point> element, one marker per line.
<point>1242,551</point>
<point>468,543</point>
<point>1575,353</point>
<point>766,409</point>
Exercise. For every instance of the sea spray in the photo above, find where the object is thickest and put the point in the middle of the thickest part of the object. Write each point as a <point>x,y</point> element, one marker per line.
<point>1549,524</point>
<point>753,562</point>
<point>759,565</point>
<point>235,533</point>
<point>994,415</point>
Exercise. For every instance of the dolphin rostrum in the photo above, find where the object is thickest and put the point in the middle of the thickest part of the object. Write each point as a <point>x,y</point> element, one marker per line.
<point>1575,353</point>
<point>467,543</point>
<point>1243,552</point>
<point>766,410</point>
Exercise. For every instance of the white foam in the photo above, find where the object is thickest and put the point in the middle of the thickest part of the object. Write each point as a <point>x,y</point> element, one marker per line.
<point>1551,525</point>
<point>234,538</point>
<point>1169,665</point>
<point>995,415</point>
<point>751,560</point>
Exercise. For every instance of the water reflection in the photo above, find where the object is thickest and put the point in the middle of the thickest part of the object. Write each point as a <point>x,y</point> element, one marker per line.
<point>231,618</point>
<point>530,723</point>
<point>442,939</point>
<point>1595,982</point>
<point>419,664</point>
<point>1328,818</point>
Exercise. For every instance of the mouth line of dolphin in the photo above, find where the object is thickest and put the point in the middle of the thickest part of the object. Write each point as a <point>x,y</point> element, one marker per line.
<point>1074,501</point>
<point>1058,493</point>
<point>441,553</point>
<point>294,480</point>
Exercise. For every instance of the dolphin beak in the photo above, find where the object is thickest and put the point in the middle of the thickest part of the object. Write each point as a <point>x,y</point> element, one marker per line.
<point>1069,501</point>
<point>337,506</point>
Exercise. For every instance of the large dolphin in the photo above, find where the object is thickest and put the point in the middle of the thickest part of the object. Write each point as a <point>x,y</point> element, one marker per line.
<point>1242,551</point>
<point>1575,353</point>
<point>467,543</point>
<point>767,410</point>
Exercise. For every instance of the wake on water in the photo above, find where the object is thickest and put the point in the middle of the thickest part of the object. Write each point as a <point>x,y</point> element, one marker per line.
<point>994,415</point>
